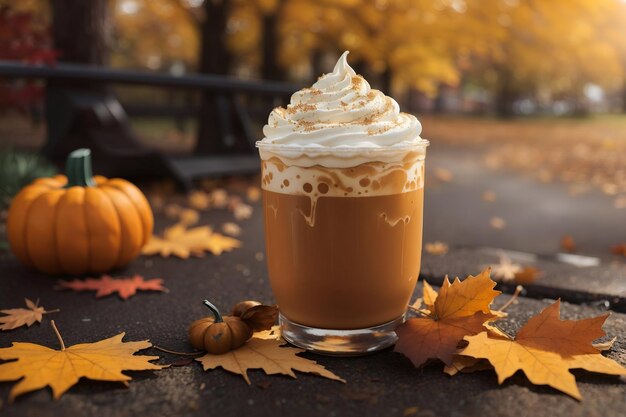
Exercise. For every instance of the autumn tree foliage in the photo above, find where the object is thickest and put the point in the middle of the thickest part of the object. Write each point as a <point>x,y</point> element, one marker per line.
<point>22,38</point>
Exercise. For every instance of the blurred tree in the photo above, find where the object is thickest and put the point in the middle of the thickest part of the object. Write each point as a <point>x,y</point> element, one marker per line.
<point>160,35</point>
<point>524,48</point>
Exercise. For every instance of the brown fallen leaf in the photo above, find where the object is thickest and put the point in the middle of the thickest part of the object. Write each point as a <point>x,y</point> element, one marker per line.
<point>38,366</point>
<point>443,174</point>
<point>567,244</point>
<point>497,223</point>
<point>185,216</point>
<point>527,275</point>
<point>188,217</point>
<point>489,196</point>
<point>199,200</point>
<point>267,354</point>
<point>231,228</point>
<point>219,198</point>
<point>253,194</point>
<point>17,317</point>
<point>172,210</point>
<point>505,270</point>
<point>242,211</point>
<point>620,202</point>
<point>545,349</point>
<point>619,249</point>
<point>460,309</point>
<point>273,333</point>
<point>182,242</point>
<point>107,285</point>
<point>436,248</point>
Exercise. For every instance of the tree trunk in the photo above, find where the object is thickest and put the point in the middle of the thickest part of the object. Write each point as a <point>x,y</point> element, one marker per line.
<point>81,31</point>
<point>270,69</point>
<point>506,95</point>
<point>624,96</point>
<point>386,79</point>
<point>214,117</point>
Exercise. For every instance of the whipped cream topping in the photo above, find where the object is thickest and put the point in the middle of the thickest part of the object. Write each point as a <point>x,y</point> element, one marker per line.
<point>339,122</point>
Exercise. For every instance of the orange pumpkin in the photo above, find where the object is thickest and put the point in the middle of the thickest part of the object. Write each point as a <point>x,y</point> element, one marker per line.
<point>78,224</point>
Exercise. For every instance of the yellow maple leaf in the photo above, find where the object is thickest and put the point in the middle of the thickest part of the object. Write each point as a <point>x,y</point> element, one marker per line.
<point>17,317</point>
<point>268,355</point>
<point>38,366</point>
<point>460,309</point>
<point>545,349</point>
<point>179,241</point>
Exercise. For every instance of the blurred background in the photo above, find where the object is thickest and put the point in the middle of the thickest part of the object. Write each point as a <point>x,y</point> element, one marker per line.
<point>524,101</point>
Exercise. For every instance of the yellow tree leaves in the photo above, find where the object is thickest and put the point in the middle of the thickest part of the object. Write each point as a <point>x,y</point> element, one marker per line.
<point>38,366</point>
<point>460,309</point>
<point>17,317</point>
<point>182,242</point>
<point>107,285</point>
<point>266,353</point>
<point>545,349</point>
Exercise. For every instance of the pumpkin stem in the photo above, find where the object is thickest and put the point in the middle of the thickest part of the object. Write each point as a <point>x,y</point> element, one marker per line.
<point>214,310</point>
<point>78,169</point>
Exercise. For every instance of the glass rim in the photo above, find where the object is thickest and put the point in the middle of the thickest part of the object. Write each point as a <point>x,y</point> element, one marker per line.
<point>422,144</point>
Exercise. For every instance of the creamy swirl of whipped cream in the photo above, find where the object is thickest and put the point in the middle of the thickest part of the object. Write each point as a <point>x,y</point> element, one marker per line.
<point>340,121</point>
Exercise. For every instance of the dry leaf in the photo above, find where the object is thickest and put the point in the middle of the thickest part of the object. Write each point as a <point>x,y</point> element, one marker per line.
<point>466,364</point>
<point>242,211</point>
<point>182,242</point>
<point>231,228</point>
<point>219,198</point>
<point>273,333</point>
<point>188,216</point>
<point>545,349</point>
<point>567,243</point>
<point>460,309</point>
<point>258,317</point>
<point>268,355</point>
<point>619,249</point>
<point>38,366</point>
<point>199,200</point>
<point>436,248</point>
<point>527,275</point>
<point>489,196</point>
<point>17,317</point>
<point>172,210</point>
<point>505,270</point>
<point>253,194</point>
<point>497,223</point>
<point>603,346</point>
<point>443,174</point>
<point>429,295</point>
<point>107,285</point>
<point>620,202</point>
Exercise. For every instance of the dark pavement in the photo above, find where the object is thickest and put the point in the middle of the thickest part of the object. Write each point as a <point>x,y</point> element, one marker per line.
<point>383,384</point>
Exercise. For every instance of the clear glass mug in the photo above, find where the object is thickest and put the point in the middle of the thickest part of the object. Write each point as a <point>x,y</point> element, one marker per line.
<point>343,243</point>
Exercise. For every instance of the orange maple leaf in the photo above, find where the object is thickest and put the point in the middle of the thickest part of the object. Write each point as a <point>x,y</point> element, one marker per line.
<point>545,349</point>
<point>619,249</point>
<point>459,310</point>
<point>106,285</point>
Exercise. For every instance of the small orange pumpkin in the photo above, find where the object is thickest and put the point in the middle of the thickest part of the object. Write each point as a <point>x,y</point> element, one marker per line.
<point>78,224</point>
<point>218,334</point>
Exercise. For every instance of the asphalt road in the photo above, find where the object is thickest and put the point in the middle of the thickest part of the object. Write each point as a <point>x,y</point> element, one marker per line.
<point>537,215</point>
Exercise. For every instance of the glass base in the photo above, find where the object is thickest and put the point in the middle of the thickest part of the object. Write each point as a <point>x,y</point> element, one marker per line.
<point>332,342</point>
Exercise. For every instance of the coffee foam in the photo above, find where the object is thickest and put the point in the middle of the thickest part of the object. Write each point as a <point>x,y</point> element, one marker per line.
<point>364,180</point>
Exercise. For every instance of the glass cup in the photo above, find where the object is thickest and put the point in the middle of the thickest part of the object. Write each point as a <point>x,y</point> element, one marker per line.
<point>343,242</point>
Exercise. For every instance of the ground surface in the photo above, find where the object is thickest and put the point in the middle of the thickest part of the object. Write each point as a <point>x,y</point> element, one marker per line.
<point>384,384</point>
<point>466,160</point>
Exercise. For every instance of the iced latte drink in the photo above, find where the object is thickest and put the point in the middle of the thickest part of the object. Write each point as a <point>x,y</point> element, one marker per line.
<point>342,179</point>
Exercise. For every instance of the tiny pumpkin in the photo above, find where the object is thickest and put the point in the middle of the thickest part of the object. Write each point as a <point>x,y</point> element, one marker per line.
<point>78,224</point>
<point>218,334</point>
